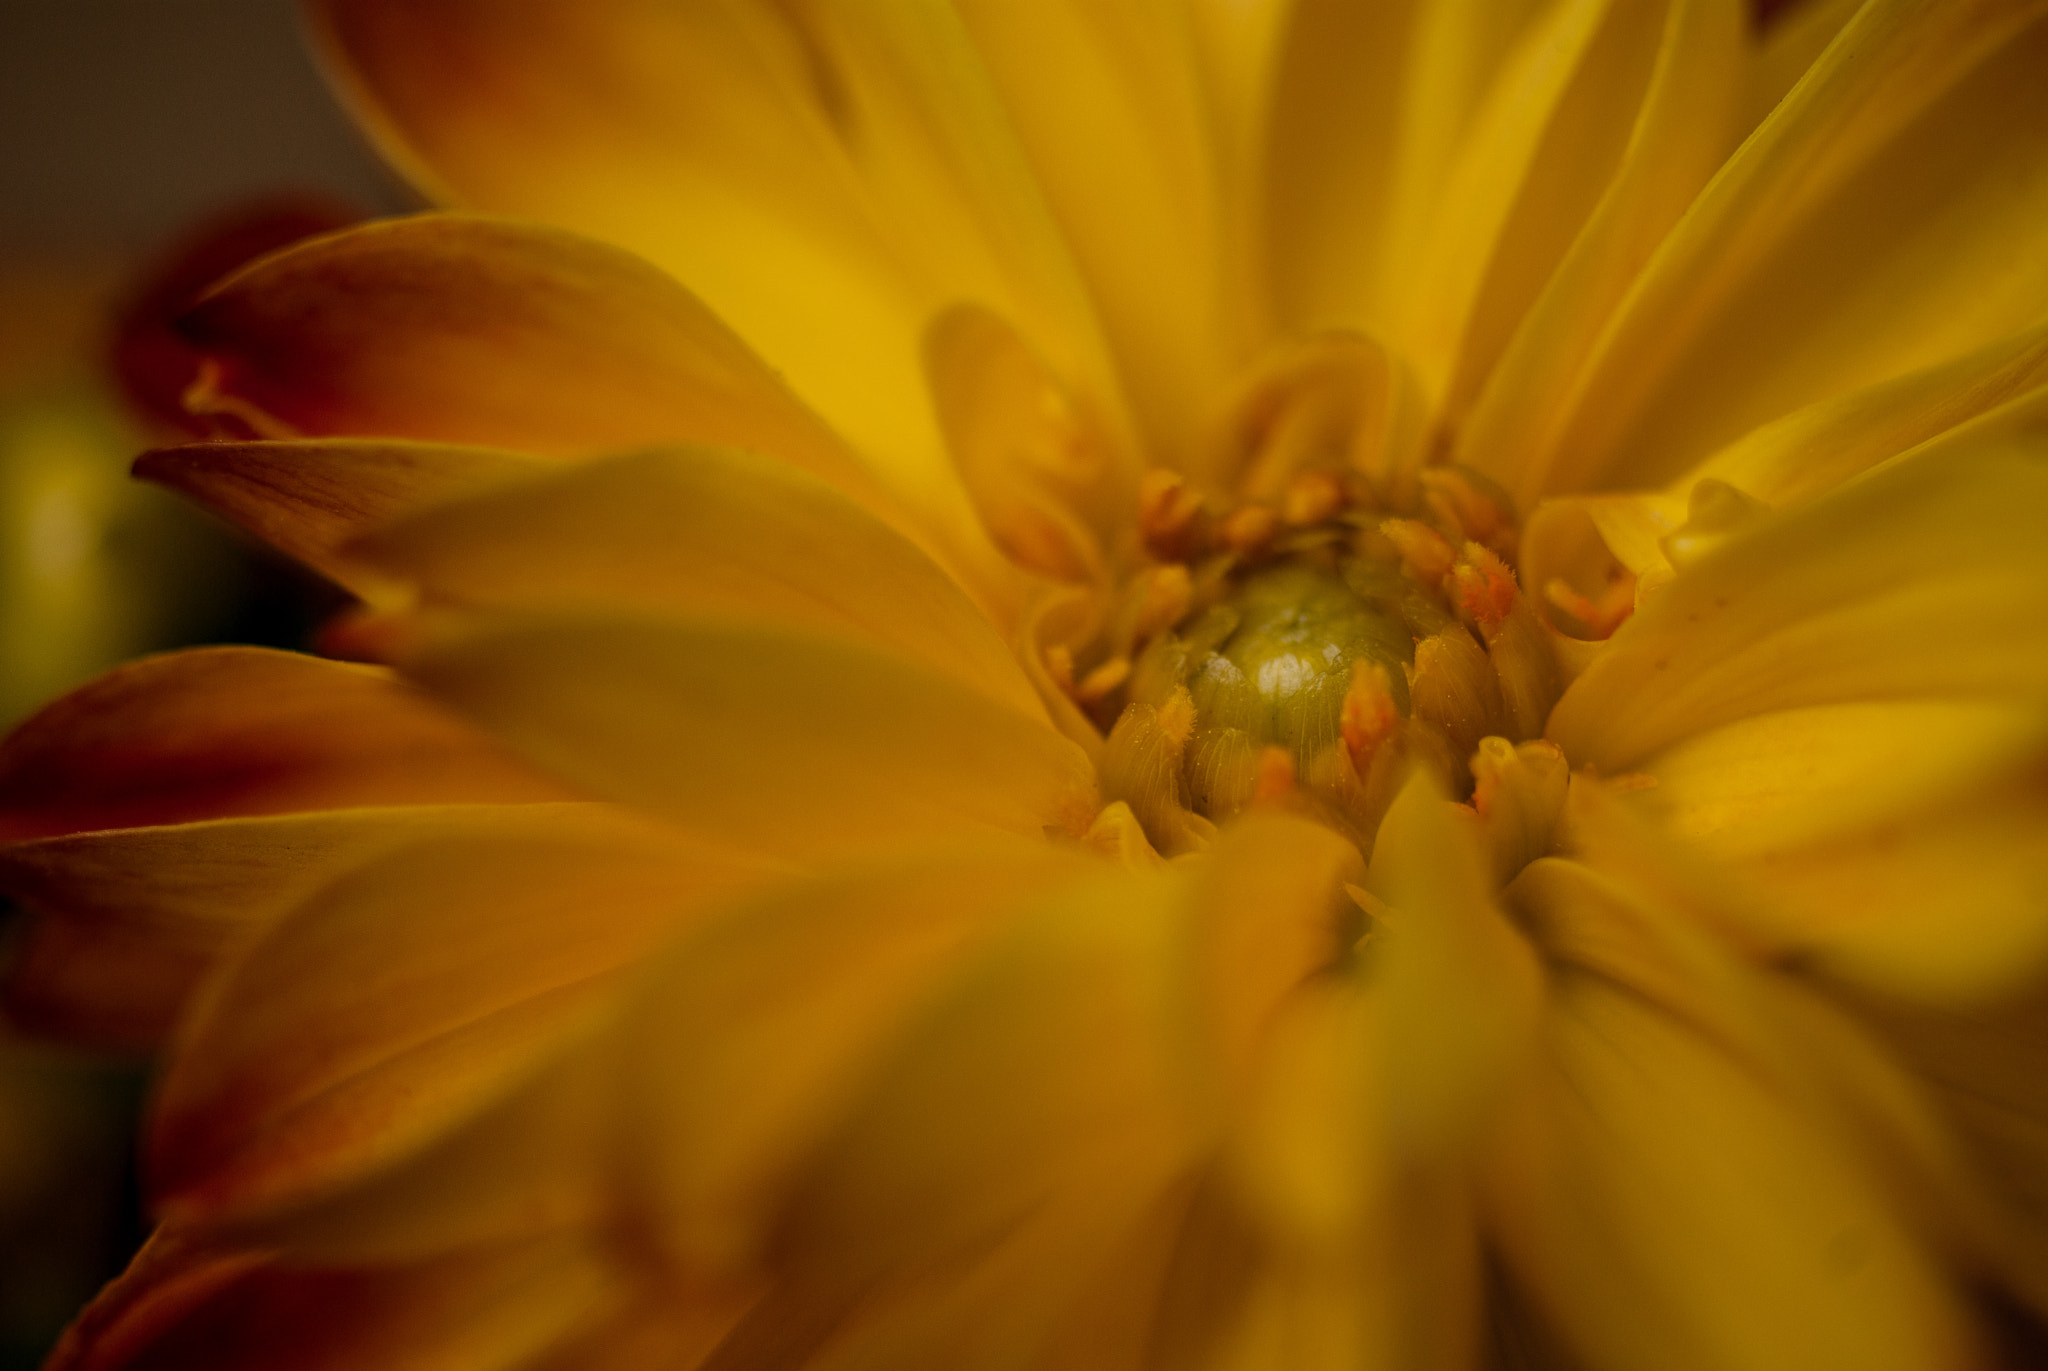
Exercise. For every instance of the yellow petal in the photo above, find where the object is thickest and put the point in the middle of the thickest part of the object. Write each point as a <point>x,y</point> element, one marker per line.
<point>462,329</point>
<point>531,1164</point>
<point>403,997</point>
<point>127,921</point>
<point>1864,232</point>
<point>1916,582</point>
<point>776,740</point>
<point>1683,129</point>
<point>1535,161</point>
<point>1267,912</point>
<point>310,499</point>
<point>704,138</point>
<point>1987,1065</point>
<point>213,732</point>
<point>694,531</point>
<point>1373,104</point>
<point>1814,448</point>
<point>1457,986</point>
<point>1670,1198</point>
<point>757,1033</point>
<point>1033,1116</point>
<point>1121,144</point>
<point>1776,781</point>
<point>1942,902</point>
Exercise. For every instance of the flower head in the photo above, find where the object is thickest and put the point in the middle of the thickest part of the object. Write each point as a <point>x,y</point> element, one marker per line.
<point>1188,685</point>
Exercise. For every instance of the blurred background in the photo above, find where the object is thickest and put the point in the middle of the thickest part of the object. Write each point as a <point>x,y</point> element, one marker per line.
<point>123,124</point>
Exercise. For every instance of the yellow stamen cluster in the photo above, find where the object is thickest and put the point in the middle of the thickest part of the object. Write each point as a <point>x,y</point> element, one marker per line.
<point>1308,648</point>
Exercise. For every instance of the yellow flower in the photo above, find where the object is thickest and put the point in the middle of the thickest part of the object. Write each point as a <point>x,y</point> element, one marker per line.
<point>1048,811</point>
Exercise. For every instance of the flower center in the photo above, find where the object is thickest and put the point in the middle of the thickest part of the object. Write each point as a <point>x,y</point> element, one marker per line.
<point>1310,651</point>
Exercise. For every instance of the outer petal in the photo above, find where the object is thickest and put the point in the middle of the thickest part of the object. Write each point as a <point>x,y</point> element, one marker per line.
<point>183,1305</point>
<point>758,1033</point>
<point>1886,217</point>
<point>779,741</point>
<point>1670,1197</point>
<point>701,531</point>
<point>1915,583</point>
<point>310,500</point>
<point>1025,1126</point>
<point>215,732</point>
<point>462,329</point>
<point>703,137</point>
<point>403,997</point>
<point>126,921</point>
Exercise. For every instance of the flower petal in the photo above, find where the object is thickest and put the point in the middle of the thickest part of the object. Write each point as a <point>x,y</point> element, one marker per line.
<point>481,1310</point>
<point>126,921</point>
<point>311,499</point>
<point>756,1034</point>
<point>776,740</point>
<point>1684,128</point>
<point>1913,583</point>
<point>1866,231</point>
<point>455,328</point>
<point>694,531</point>
<point>1825,443</point>
<point>214,732</point>
<point>1669,1197</point>
<point>1537,158</point>
<point>1369,104</point>
<point>1457,987</point>
<point>403,997</point>
<point>1122,144</point>
<point>1032,1119</point>
<point>702,137</point>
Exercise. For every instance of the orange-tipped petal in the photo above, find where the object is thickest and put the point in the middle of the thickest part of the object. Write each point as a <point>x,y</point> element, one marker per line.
<point>309,500</point>
<point>183,1305</point>
<point>214,732</point>
<point>125,922</point>
<point>156,366</point>
<point>404,997</point>
<point>455,328</point>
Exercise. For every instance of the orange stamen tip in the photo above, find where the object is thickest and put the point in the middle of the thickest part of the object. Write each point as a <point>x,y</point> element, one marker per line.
<point>1423,550</point>
<point>1275,776</point>
<point>1168,513</point>
<point>1368,717</point>
<point>1311,497</point>
<point>1249,528</point>
<point>1599,617</point>
<point>1098,683</point>
<point>1484,589</point>
<point>1169,590</point>
<point>1059,664</point>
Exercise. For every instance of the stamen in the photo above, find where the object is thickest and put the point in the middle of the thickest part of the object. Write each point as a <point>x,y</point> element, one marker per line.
<point>1276,776</point>
<point>1097,684</point>
<point>1249,528</point>
<point>1423,550</point>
